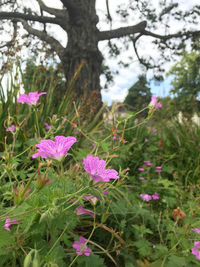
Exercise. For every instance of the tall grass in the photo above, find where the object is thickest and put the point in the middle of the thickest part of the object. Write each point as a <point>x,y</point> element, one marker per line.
<point>181,149</point>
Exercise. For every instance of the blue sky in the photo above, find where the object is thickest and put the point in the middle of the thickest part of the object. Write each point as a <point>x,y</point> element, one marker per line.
<point>118,93</point>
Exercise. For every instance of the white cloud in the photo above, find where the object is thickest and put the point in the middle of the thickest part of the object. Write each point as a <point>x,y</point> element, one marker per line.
<point>116,93</point>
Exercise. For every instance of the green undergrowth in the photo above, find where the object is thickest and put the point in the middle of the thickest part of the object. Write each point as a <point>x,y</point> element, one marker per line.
<point>124,229</point>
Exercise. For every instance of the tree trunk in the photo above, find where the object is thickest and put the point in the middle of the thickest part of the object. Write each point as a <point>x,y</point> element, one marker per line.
<point>83,45</point>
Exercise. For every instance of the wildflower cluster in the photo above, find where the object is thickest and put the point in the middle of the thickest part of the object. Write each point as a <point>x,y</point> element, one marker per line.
<point>147,197</point>
<point>66,203</point>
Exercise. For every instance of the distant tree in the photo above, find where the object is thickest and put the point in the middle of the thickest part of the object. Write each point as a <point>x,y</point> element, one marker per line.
<point>78,18</point>
<point>186,83</point>
<point>168,111</point>
<point>139,95</point>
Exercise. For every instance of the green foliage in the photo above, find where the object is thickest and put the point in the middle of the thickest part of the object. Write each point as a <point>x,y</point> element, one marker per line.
<point>186,83</point>
<point>139,95</point>
<point>126,230</point>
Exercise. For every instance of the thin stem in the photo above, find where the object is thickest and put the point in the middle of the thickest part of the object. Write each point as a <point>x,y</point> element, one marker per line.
<point>22,152</point>
<point>74,203</point>
<point>20,214</point>
<point>37,124</point>
<point>27,185</point>
<point>58,239</point>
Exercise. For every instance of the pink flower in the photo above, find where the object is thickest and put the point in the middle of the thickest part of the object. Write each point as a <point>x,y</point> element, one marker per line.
<point>148,163</point>
<point>105,192</point>
<point>154,130</point>
<point>48,127</point>
<point>8,223</point>
<point>155,196</point>
<point>80,211</point>
<point>159,169</point>
<point>195,250</point>
<point>154,104</point>
<point>197,230</point>
<point>92,198</point>
<point>114,137</point>
<point>146,197</point>
<point>96,169</point>
<point>54,149</point>
<point>81,248</point>
<point>30,99</point>
<point>11,128</point>
<point>140,169</point>
<point>146,140</point>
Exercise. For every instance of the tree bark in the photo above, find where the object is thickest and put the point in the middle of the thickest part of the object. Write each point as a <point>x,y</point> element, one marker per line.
<point>83,46</point>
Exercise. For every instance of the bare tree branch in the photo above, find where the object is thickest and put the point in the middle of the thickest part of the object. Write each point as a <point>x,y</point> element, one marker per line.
<point>28,17</point>
<point>108,11</point>
<point>121,32</point>
<point>187,34</point>
<point>140,59</point>
<point>53,11</point>
<point>55,45</point>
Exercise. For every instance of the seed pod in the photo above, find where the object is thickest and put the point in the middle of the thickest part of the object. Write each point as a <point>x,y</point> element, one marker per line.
<point>28,259</point>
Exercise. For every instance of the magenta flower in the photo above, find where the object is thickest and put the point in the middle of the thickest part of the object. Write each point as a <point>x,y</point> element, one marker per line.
<point>159,169</point>
<point>48,127</point>
<point>96,169</point>
<point>80,211</point>
<point>196,250</point>
<point>54,149</point>
<point>197,230</point>
<point>148,163</point>
<point>92,198</point>
<point>11,128</point>
<point>81,248</point>
<point>114,137</point>
<point>155,196</point>
<point>8,223</point>
<point>30,99</point>
<point>105,192</point>
<point>140,169</point>
<point>154,104</point>
<point>146,197</point>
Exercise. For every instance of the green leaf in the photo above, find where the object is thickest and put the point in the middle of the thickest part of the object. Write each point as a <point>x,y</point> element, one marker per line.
<point>166,183</point>
<point>144,247</point>
<point>159,251</point>
<point>176,261</point>
<point>90,261</point>
<point>157,263</point>
<point>105,146</point>
<point>6,238</point>
<point>142,229</point>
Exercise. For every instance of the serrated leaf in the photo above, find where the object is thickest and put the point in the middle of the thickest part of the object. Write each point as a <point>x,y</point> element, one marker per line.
<point>105,146</point>
<point>6,238</point>
<point>176,261</point>
<point>90,261</point>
